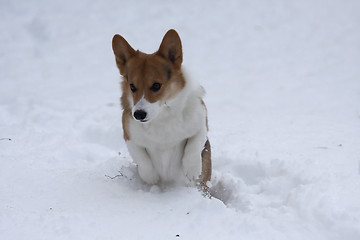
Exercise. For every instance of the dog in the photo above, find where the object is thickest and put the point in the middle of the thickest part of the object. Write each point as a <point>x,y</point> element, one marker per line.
<point>164,118</point>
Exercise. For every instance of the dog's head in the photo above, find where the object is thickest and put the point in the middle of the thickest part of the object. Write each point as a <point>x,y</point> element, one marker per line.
<point>149,80</point>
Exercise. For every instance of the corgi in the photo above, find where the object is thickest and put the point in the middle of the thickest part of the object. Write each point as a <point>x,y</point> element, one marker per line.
<point>164,117</point>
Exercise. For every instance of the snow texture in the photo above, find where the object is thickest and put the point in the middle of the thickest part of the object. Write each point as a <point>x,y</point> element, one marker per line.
<point>283,96</point>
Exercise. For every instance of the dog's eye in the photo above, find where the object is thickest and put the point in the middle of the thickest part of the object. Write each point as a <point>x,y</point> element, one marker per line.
<point>132,87</point>
<point>155,87</point>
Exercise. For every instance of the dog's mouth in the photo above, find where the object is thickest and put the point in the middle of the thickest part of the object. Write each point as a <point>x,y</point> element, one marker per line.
<point>143,120</point>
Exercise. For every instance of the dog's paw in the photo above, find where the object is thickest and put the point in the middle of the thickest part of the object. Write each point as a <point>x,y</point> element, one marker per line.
<point>192,167</point>
<point>148,174</point>
<point>192,173</point>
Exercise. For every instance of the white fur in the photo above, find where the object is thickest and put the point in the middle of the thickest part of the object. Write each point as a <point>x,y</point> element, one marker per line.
<point>168,148</point>
<point>151,109</point>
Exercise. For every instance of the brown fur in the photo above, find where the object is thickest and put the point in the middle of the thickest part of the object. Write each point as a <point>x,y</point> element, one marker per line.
<point>206,163</point>
<point>146,69</point>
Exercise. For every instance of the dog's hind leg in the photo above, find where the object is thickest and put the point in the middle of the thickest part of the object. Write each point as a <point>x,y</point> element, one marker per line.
<point>206,165</point>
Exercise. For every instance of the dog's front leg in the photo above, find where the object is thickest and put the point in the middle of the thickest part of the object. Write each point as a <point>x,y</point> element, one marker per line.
<point>192,155</point>
<point>146,169</point>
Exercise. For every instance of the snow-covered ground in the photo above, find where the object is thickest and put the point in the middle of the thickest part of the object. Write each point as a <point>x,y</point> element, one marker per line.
<point>283,95</point>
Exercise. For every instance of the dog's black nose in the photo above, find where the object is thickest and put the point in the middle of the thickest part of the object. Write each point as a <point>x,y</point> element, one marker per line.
<point>139,115</point>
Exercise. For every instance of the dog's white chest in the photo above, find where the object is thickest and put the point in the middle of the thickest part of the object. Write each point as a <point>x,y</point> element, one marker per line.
<point>164,145</point>
<point>164,139</point>
<point>168,130</point>
<point>167,161</point>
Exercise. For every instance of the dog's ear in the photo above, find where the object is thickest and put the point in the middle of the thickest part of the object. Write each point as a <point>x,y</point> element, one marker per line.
<point>170,48</point>
<point>123,52</point>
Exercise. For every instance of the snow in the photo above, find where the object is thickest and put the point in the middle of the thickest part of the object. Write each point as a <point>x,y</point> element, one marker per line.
<point>283,96</point>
